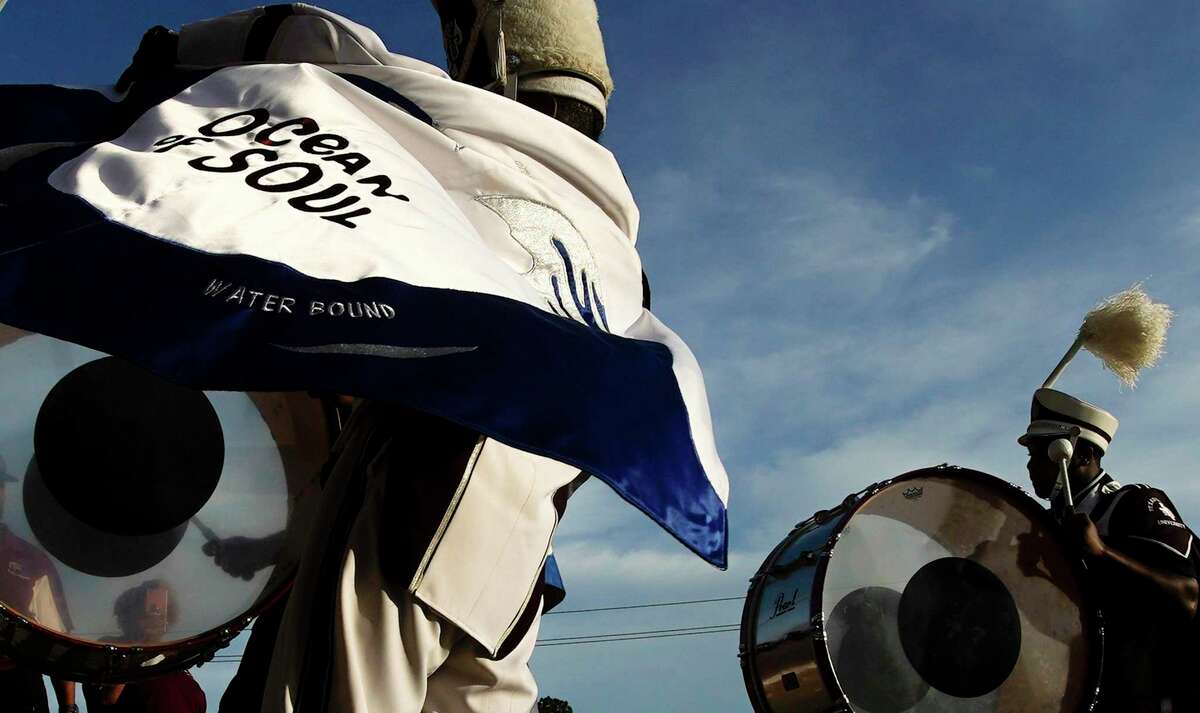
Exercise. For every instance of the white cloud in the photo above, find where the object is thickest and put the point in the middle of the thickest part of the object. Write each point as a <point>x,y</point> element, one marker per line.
<point>802,226</point>
<point>828,231</point>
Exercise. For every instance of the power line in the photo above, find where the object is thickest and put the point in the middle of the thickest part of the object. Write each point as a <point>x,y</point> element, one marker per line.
<point>640,638</point>
<point>601,638</point>
<point>592,638</point>
<point>643,606</point>
<point>635,633</point>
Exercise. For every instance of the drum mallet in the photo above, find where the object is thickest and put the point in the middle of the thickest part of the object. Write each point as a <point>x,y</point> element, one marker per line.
<point>1061,450</point>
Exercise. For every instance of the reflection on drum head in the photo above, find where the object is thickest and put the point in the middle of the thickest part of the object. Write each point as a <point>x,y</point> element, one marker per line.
<point>81,546</point>
<point>865,625</point>
<point>231,460</point>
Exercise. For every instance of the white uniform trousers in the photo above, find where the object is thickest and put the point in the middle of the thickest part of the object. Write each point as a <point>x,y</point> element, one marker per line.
<point>393,654</point>
<point>387,651</point>
<point>436,668</point>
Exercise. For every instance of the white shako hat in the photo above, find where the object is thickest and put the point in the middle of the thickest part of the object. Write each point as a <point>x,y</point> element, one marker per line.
<point>1055,414</point>
<point>548,46</point>
<point>1127,332</point>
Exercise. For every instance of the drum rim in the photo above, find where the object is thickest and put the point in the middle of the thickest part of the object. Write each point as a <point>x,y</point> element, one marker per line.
<point>844,511</point>
<point>206,644</point>
<point>116,655</point>
<point>749,614</point>
<point>751,608</point>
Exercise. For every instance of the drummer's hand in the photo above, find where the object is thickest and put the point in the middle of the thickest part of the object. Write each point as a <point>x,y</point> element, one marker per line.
<point>240,556</point>
<point>1085,536</point>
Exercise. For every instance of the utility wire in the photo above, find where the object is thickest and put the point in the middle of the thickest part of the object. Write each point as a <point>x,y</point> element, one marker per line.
<point>643,606</point>
<point>593,638</point>
<point>635,633</point>
<point>586,641</point>
<point>640,638</point>
<point>601,638</point>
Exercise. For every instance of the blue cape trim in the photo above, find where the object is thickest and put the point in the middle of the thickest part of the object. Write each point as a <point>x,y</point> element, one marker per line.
<point>555,591</point>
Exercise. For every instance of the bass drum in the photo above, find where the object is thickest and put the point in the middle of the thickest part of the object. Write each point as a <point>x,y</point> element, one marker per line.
<point>941,590</point>
<point>121,491</point>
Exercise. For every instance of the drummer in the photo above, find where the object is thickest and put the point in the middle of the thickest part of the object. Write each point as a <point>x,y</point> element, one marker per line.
<point>1143,559</point>
<point>28,579</point>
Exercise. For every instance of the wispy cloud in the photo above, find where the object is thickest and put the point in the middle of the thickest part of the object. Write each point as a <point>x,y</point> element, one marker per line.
<point>788,235</point>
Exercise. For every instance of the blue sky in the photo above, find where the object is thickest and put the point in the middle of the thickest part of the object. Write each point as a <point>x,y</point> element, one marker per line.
<point>877,225</point>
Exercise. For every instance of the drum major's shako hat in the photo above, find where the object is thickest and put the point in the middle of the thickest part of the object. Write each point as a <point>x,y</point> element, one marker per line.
<point>1055,414</point>
<point>1127,332</point>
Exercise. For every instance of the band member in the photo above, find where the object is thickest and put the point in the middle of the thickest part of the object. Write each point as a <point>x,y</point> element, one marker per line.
<point>29,582</point>
<point>144,614</point>
<point>1142,558</point>
<point>424,575</point>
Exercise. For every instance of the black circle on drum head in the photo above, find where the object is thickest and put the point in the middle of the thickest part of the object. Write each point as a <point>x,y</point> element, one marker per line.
<point>960,627</point>
<point>125,451</point>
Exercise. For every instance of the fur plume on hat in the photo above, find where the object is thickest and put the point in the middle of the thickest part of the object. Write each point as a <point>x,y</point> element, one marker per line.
<point>1126,331</point>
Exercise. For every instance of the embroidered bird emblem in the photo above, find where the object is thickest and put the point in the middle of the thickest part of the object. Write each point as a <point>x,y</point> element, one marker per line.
<point>564,270</point>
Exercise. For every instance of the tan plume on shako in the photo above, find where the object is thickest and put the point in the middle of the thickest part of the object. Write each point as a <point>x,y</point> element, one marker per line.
<point>1126,331</point>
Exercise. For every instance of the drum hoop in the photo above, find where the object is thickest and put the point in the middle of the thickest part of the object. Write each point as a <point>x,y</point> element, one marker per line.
<point>751,608</point>
<point>749,615</point>
<point>223,635</point>
<point>845,511</point>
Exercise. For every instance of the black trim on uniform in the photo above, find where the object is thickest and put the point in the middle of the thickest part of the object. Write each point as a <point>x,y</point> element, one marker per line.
<point>1041,412</point>
<point>262,32</point>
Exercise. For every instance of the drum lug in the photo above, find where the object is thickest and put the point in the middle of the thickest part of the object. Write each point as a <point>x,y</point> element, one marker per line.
<point>227,635</point>
<point>224,636</point>
<point>817,626</point>
<point>803,559</point>
<point>820,517</point>
<point>115,659</point>
<point>810,556</point>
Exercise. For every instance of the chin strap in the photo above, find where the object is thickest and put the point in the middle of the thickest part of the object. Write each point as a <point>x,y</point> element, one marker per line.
<point>500,62</point>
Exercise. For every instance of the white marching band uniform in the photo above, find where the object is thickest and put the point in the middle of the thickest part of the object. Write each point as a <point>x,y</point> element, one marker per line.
<point>303,142</point>
<point>430,645</point>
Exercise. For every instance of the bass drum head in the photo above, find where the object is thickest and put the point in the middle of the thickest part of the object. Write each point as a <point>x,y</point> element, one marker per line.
<point>112,483</point>
<point>947,591</point>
